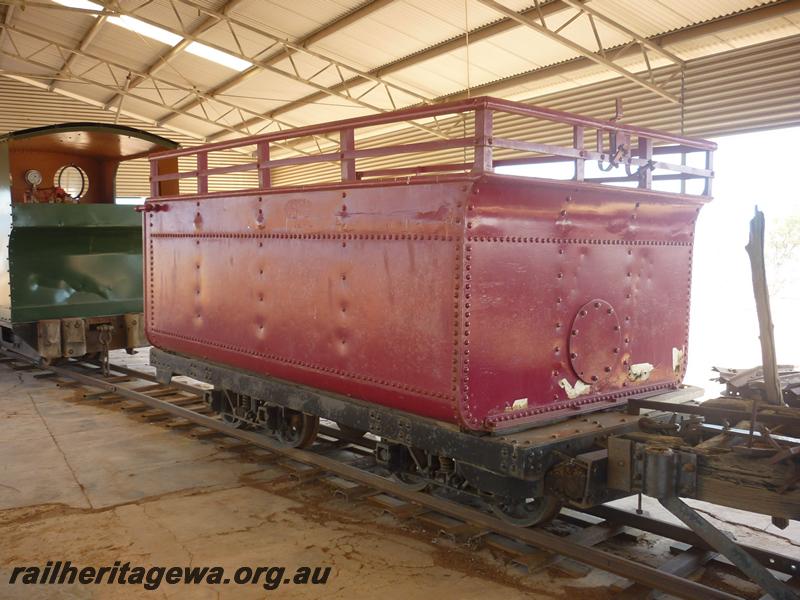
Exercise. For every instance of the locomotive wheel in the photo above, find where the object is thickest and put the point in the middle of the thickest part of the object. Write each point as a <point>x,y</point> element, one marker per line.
<point>298,430</point>
<point>527,512</point>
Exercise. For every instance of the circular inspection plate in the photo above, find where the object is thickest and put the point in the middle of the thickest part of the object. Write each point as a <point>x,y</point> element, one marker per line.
<point>594,341</point>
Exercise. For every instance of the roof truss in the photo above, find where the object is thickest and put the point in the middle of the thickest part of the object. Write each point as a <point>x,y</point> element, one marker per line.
<point>599,56</point>
<point>361,12</point>
<point>115,78</point>
<point>377,92</point>
<point>285,49</point>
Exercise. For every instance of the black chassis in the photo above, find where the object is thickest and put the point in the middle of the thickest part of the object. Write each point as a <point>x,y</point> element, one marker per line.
<point>510,456</point>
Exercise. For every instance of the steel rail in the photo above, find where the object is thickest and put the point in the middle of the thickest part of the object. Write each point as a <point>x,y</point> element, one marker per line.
<point>650,576</point>
<point>778,562</point>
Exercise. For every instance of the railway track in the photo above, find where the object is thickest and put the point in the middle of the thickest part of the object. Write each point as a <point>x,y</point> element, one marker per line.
<point>355,478</point>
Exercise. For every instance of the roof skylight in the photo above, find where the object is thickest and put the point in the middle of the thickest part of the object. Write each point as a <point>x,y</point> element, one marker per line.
<point>83,4</point>
<point>162,35</point>
<point>147,30</point>
<point>219,57</point>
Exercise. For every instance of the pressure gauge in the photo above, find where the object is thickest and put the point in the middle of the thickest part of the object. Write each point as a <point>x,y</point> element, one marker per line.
<point>33,177</point>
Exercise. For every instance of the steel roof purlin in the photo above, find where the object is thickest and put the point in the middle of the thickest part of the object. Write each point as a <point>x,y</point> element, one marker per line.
<point>7,19</point>
<point>544,8</point>
<point>599,56</point>
<point>362,11</point>
<point>87,39</point>
<point>167,56</point>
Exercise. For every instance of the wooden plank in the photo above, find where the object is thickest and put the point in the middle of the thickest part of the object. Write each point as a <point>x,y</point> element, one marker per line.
<point>397,508</point>
<point>349,490</point>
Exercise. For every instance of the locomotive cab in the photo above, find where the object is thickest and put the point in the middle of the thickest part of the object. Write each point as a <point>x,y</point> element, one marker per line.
<point>71,275</point>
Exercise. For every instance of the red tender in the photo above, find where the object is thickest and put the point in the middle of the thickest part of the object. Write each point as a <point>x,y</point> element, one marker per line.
<point>483,300</point>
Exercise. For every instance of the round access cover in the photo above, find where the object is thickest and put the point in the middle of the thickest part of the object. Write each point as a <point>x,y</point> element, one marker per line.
<point>594,341</point>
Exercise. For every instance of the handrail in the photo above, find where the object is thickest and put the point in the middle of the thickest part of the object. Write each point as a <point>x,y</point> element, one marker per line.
<point>618,151</point>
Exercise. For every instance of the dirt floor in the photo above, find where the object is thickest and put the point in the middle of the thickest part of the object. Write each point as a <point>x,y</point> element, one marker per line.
<point>93,486</point>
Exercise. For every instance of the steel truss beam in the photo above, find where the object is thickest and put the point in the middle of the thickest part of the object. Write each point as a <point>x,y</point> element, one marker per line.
<point>163,60</point>
<point>289,48</point>
<point>546,8</point>
<point>723,23</point>
<point>88,38</point>
<point>541,11</point>
<point>286,47</point>
<point>599,56</point>
<point>7,18</point>
<point>643,42</point>
<point>715,26</point>
<point>319,34</point>
<point>482,33</point>
<point>121,75</point>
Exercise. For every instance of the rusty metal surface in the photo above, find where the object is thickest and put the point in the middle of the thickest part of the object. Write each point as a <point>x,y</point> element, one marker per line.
<point>537,253</point>
<point>451,298</point>
<point>352,291</point>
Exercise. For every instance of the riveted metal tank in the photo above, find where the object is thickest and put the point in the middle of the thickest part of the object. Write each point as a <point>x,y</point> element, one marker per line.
<point>489,301</point>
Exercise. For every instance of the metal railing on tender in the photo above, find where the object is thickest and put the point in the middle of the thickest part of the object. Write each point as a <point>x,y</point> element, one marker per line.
<point>474,136</point>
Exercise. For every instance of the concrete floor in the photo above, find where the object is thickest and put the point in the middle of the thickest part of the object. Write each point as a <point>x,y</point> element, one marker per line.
<point>94,486</point>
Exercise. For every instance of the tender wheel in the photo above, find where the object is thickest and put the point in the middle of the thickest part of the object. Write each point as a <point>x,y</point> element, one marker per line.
<point>224,403</point>
<point>234,422</point>
<point>410,481</point>
<point>527,512</point>
<point>298,430</point>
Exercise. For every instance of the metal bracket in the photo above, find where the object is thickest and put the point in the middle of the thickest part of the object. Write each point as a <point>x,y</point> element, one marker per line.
<point>375,421</point>
<point>776,589</point>
<point>662,481</point>
<point>404,431</point>
<point>638,467</point>
<point>73,337</point>
<point>48,338</point>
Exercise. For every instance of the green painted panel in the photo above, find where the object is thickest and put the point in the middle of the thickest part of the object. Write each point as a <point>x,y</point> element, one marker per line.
<point>74,264</point>
<point>75,215</point>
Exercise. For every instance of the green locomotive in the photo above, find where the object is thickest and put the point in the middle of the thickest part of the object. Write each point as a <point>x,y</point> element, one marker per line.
<point>70,257</point>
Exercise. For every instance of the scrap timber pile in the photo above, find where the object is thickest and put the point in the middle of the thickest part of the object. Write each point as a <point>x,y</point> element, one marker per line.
<point>749,383</point>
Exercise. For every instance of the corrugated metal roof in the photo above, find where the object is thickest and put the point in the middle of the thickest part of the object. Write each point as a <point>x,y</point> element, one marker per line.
<point>292,18</point>
<point>357,35</point>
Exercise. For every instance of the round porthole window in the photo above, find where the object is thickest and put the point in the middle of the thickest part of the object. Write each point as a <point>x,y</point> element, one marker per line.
<point>73,180</point>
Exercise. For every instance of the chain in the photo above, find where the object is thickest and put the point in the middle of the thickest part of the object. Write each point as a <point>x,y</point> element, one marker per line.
<point>105,339</point>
